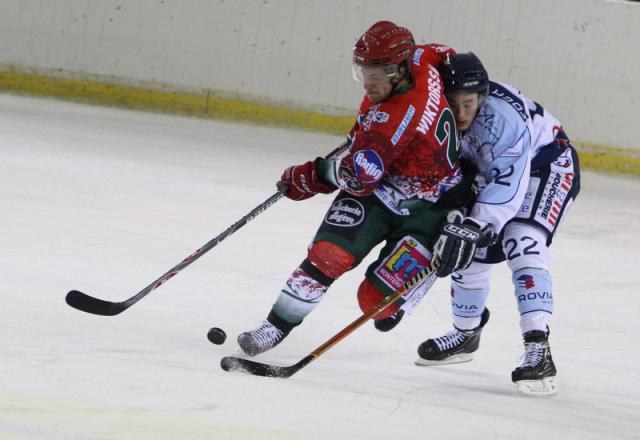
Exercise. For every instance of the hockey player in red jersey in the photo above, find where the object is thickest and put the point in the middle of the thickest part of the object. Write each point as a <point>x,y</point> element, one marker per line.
<point>396,184</point>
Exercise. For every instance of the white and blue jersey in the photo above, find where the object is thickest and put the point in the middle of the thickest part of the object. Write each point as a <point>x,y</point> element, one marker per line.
<point>528,177</point>
<point>499,142</point>
<point>528,170</point>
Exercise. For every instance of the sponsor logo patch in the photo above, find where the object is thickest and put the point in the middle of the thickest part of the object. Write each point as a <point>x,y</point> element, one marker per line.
<point>510,98</point>
<point>416,56</point>
<point>513,151</point>
<point>538,297</point>
<point>526,281</point>
<point>368,166</point>
<point>527,206</point>
<point>408,258</point>
<point>564,160</point>
<point>554,196</point>
<point>460,232</point>
<point>403,125</point>
<point>390,198</point>
<point>345,213</point>
<point>465,309</point>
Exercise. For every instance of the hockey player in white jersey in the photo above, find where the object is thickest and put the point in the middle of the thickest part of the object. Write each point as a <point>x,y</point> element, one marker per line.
<point>528,178</point>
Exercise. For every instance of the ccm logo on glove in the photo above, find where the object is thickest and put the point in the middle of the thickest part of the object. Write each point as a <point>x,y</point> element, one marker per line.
<point>457,242</point>
<point>463,233</point>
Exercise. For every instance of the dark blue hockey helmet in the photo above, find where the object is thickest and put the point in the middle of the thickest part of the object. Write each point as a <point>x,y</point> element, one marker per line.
<point>464,71</point>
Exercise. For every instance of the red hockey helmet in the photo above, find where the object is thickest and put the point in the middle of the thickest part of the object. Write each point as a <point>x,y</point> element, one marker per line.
<point>383,44</point>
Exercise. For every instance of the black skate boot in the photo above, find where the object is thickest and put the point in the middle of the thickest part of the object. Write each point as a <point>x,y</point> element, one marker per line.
<point>270,333</point>
<point>386,324</point>
<point>455,347</point>
<point>536,375</point>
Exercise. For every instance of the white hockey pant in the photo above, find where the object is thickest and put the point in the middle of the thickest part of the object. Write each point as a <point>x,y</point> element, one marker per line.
<point>528,258</point>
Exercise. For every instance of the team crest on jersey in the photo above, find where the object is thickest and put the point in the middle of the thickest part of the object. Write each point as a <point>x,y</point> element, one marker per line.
<point>373,115</point>
<point>408,258</point>
<point>368,166</point>
<point>345,213</point>
<point>471,141</point>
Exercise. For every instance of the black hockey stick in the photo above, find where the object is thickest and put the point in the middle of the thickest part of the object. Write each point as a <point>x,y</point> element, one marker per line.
<point>231,363</point>
<point>90,304</point>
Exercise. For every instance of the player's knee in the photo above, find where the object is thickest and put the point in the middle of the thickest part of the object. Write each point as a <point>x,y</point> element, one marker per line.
<point>528,261</point>
<point>476,276</point>
<point>370,296</point>
<point>525,246</point>
<point>330,259</point>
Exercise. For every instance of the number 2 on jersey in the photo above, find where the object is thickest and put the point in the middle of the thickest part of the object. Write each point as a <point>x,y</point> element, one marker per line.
<point>446,132</point>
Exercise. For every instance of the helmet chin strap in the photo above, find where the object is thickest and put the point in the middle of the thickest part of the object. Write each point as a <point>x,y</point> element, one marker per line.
<point>395,82</point>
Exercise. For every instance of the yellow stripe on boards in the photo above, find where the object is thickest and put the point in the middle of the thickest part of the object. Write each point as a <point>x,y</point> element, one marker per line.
<point>208,104</point>
<point>217,105</point>
<point>608,158</point>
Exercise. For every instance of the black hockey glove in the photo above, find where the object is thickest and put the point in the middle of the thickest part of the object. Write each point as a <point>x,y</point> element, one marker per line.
<point>457,242</point>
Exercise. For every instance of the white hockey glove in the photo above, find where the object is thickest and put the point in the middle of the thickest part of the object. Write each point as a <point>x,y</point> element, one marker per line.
<point>457,242</point>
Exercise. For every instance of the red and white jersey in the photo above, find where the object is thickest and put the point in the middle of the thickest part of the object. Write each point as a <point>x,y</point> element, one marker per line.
<point>405,145</point>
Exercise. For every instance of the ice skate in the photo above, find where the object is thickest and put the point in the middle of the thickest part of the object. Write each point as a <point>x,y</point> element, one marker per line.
<point>261,339</point>
<point>454,347</point>
<point>387,324</point>
<point>536,375</point>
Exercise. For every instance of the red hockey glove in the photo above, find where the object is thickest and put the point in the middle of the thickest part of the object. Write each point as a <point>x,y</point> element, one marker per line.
<point>302,181</point>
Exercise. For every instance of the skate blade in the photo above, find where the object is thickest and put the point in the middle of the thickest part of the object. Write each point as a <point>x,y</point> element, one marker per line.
<point>546,387</point>
<point>455,359</point>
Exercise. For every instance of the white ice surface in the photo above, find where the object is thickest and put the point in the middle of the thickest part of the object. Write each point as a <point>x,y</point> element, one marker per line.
<point>105,201</point>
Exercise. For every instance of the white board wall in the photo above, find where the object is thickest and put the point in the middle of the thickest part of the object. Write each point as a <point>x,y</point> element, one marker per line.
<point>579,58</point>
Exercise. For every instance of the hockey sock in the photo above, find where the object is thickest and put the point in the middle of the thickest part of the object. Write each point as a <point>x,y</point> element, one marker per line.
<point>301,294</point>
<point>467,306</point>
<point>533,291</point>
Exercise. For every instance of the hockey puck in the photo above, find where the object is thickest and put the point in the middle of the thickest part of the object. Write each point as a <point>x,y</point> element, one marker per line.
<point>216,336</point>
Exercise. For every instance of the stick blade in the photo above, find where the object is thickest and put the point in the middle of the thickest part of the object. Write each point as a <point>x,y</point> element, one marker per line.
<point>89,304</point>
<point>234,364</point>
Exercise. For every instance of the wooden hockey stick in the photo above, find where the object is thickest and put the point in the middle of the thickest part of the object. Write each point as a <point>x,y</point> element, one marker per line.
<point>231,363</point>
